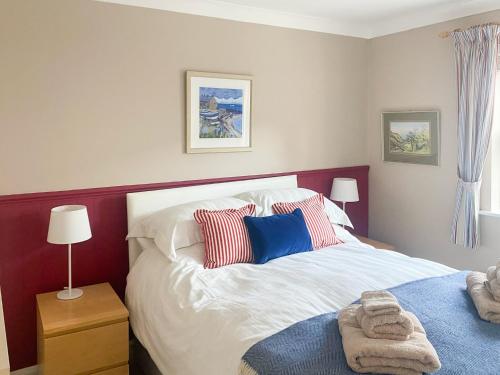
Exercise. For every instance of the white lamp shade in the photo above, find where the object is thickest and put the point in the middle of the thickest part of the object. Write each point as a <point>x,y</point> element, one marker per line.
<point>344,190</point>
<point>68,224</point>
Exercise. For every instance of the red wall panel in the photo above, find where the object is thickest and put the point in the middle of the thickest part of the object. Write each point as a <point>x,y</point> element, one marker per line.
<point>29,265</point>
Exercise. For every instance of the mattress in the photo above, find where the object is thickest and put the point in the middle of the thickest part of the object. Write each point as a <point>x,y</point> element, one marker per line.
<point>198,321</point>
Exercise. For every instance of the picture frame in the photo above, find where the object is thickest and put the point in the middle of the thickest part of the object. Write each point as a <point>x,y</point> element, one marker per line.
<point>218,112</point>
<point>411,137</point>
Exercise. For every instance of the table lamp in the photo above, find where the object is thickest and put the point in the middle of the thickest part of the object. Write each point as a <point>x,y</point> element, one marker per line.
<point>344,190</point>
<point>69,225</point>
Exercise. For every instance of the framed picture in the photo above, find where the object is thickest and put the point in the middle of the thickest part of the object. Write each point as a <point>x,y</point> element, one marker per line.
<point>411,137</point>
<point>218,112</point>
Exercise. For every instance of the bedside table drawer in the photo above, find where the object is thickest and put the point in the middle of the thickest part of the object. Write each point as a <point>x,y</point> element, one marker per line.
<point>122,370</point>
<point>87,351</point>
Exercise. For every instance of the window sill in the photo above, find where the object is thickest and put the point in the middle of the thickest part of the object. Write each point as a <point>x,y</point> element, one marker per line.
<point>490,213</point>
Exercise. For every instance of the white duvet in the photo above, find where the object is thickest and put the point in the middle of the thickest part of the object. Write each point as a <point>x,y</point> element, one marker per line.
<point>197,321</point>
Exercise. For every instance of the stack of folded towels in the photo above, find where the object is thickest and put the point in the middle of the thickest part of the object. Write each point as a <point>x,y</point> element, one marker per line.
<point>380,337</point>
<point>485,292</point>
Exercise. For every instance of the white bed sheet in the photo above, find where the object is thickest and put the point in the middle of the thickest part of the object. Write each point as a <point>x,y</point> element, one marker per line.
<point>197,321</point>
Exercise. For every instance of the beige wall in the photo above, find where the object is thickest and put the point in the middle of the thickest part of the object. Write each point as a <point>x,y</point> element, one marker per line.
<point>412,205</point>
<point>92,94</point>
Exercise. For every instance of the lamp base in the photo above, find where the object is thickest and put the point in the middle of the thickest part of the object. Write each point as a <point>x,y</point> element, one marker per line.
<point>65,295</point>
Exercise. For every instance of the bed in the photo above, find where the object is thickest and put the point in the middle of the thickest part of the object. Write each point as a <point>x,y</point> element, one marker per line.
<point>192,320</point>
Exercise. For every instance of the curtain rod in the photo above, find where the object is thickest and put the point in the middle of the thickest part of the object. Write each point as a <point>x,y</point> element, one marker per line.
<point>446,34</point>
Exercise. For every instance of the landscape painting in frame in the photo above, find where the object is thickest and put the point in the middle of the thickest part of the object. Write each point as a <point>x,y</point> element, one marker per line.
<point>218,112</point>
<point>411,137</point>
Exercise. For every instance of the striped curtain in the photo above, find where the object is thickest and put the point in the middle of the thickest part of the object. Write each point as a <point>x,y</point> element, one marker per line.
<point>476,54</point>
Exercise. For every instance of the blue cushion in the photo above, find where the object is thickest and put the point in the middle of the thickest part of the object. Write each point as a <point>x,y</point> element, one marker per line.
<point>278,235</point>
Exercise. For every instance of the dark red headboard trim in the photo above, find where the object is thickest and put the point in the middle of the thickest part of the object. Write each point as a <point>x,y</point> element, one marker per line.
<point>102,191</point>
<point>29,265</point>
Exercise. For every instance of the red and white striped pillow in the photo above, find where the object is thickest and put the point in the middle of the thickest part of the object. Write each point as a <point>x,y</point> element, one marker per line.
<point>320,228</point>
<point>226,236</point>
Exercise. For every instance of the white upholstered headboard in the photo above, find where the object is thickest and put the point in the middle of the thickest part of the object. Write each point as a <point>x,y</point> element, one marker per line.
<point>142,204</point>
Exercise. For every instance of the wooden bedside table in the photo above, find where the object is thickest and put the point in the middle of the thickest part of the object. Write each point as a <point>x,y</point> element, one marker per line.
<point>376,244</point>
<point>84,335</point>
<point>4,353</point>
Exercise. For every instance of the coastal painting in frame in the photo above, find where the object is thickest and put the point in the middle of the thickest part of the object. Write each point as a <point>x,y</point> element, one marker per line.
<point>411,137</point>
<point>218,112</point>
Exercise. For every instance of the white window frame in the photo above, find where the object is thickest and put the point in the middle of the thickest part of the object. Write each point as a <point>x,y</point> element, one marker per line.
<point>490,191</point>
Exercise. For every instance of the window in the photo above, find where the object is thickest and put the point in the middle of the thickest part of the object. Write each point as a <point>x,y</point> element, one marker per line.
<point>490,192</point>
<point>495,153</point>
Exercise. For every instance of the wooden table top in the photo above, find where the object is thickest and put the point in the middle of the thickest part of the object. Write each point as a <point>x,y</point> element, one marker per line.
<point>99,305</point>
<point>376,244</point>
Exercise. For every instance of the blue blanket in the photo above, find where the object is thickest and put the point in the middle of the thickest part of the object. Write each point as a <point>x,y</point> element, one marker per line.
<point>465,343</point>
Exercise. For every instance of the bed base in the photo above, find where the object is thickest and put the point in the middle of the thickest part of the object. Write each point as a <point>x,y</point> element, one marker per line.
<point>140,360</point>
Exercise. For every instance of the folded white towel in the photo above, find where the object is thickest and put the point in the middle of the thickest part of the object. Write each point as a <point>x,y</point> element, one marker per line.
<point>365,355</point>
<point>486,306</point>
<point>380,302</point>
<point>491,273</point>
<point>493,287</point>
<point>388,326</point>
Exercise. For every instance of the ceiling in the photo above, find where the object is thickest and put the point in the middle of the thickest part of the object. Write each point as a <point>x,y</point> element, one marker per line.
<point>360,18</point>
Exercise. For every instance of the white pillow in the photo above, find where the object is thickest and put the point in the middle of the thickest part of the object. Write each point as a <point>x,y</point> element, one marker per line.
<point>264,200</point>
<point>344,234</point>
<point>174,227</point>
